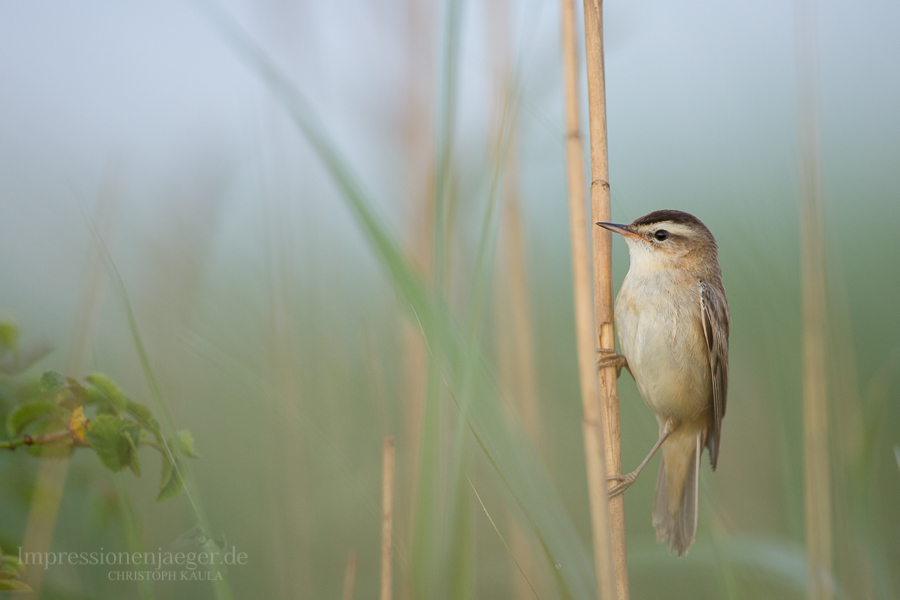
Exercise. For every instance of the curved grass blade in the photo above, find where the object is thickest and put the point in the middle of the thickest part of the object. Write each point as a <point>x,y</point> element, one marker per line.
<point>514,461</point>
<point>220,584</point>
<point>502,539</point>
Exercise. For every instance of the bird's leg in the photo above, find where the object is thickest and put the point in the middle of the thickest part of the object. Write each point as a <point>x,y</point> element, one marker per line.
<point>611,358</point>
<point>625,481</point>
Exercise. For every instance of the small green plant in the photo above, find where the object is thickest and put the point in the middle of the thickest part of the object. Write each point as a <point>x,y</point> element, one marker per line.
<point>52,416</point>
<point>10,569</point>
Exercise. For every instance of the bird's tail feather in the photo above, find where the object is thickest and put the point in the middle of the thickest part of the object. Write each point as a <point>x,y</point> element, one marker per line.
<point>675,505</point>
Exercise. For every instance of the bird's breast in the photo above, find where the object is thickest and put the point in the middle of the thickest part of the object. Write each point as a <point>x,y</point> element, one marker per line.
<point>660,332</point>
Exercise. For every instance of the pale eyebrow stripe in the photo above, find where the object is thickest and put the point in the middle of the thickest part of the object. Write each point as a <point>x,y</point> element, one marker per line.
<point>673,228</point>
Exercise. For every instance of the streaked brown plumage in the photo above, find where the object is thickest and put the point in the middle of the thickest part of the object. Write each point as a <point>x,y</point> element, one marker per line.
<point>672,320</point>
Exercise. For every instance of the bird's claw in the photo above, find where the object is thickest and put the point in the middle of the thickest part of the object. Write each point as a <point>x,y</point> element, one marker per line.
<point>625,482</point>
<point>611,358</point>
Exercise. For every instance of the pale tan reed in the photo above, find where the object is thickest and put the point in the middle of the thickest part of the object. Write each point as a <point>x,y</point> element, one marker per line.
<point>602,252</point>
<point>513,320</point>
<point>420,215</point>
<point>350,577</point>
<point>387,518</point>
<point>594,446</point>
<point>602,270</point>
<point>817,473</point>
<point>51,474</point>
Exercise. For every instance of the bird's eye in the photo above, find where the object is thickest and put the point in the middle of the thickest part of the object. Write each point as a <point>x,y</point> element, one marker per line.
<point>661,235</point>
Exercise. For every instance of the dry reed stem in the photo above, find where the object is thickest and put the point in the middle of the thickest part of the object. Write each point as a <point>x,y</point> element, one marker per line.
<point>51,475</point>
<point>387,516</point>
<point>511,303</point>
<point>602,252</point>
<point>516,362</point>
<point>514,313</point>
<point>584,319</point>
<point>350,576</point>
<point>514,309</point>
<point>420,208</point>
<point>817,477</point>
<point>290,500</point>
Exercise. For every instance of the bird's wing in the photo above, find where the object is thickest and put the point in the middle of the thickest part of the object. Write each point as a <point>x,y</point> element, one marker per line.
<point>716,323</point>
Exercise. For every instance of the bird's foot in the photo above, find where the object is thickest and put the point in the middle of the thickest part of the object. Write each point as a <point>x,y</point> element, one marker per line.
<point>611,358</point>
<point>625,482</point>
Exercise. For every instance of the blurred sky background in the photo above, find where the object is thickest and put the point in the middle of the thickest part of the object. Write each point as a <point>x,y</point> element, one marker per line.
<point>702,102</point>
<point>219,207</point>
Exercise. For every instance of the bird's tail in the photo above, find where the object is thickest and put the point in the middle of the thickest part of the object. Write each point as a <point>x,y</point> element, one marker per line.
<point>675,505</point>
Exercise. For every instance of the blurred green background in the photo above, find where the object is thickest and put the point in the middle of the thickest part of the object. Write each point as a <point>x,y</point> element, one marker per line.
<point>382,250</point>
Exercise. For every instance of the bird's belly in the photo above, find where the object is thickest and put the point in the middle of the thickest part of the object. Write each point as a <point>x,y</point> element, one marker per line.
<point>667,356</point>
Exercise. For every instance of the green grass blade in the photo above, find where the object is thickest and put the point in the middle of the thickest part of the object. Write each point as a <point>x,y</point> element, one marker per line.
<point>132,532</point>
<point>221,586</point>
<point>503,540</point>
<point>515,461</point>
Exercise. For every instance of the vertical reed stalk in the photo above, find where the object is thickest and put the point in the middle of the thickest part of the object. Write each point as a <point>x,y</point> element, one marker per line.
<point>817,477</point>
<point>511,302</point>
<point>387,517</point>
<point>513,317</point>
<point>285,387</point>
<point>420,180</point>
<point>584,319</point>
<point>51,475</point>
<point>602,252</point>
<point>350,577</point>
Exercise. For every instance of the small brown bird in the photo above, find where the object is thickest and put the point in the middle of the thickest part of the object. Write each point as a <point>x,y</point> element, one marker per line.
<point>672,320</point>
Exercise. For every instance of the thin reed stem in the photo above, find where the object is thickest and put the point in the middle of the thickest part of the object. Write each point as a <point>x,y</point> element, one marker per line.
<point>513,315</point>
<point>350,577</point>
<point>817,479</point>
<point>420,181</point>
<point>602,252</point>
<point>51,476</point>
<point>387,517</point>
<point>584,319</point>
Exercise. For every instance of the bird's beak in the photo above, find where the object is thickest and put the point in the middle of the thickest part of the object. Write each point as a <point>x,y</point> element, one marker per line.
<point>620,229</point>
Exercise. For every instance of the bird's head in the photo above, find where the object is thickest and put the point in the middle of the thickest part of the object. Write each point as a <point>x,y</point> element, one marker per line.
<point>667,239</point>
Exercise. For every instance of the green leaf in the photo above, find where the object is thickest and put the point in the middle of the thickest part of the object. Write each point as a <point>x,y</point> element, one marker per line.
<point>132,433</point>
<point>143,416</point>
<point>52,382</point>
<point>166,473</point>
<point>108,410</point>
<point>95,397</point>
<point>135,463</point>
<point>106,435</point>
<point>183,444</point>
<point>72,396</point>
<point>110,389</point>
<point>13,585</point>
<point>9,337</point>
<point>171,483</point>
<point>10,563</point>
<point>26,414</point>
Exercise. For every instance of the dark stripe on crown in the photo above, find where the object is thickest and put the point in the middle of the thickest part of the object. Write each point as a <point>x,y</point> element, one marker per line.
<point>674,216</point>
